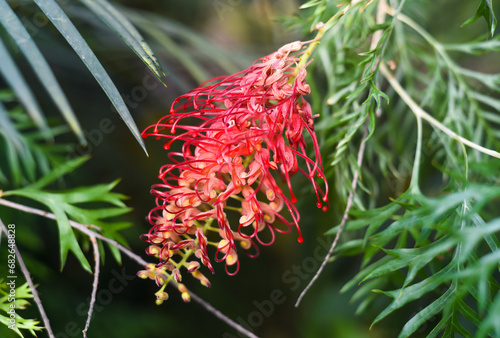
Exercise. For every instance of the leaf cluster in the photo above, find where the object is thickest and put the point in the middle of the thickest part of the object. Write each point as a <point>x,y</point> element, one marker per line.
<point>435,245</point>
<point>23,293</point>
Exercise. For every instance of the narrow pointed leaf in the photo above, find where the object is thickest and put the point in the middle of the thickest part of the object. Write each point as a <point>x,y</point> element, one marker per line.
<point>485,10</point>
<point>420,318</point>
<point>58,172</point>
<point>23,39</point>
<point>16,81</point>
<point>121,25</point>
<point>82,49</point>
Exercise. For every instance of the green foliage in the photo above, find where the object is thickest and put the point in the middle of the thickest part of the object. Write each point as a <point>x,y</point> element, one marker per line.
<point>20,301</point>
<point>15,28</point>
<point>64,204</point>
<point>9,70</point>
<point>434,246</point>
<point>435,249</point>
<point>485,10</point>
<point>120,24</point>
<point>29,151</point>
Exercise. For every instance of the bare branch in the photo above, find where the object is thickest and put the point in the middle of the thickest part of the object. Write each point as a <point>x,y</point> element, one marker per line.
<point>354,185</point>
<point>97,259</point>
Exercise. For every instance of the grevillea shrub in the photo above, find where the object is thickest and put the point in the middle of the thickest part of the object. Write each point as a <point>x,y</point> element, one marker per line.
<point>241,140</point>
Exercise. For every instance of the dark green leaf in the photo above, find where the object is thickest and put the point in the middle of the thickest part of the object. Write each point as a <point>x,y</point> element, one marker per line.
<point>122,26</point>
<point>485,10</point>
<point>40,66</point>
<point>71,34</point>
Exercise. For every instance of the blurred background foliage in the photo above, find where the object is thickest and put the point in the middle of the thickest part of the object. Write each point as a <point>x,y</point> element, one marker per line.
<point>195,40</point>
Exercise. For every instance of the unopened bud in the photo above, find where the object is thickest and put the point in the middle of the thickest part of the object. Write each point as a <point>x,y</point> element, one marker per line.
<point>160,279</point>
<point>177,275</point>
<point>203,280</point>
<point>162,295</point>
<point>145,274</point>
<point>182,288</point>
<point>193,266</point>
<point>186,297</point>
<point>153,250</point>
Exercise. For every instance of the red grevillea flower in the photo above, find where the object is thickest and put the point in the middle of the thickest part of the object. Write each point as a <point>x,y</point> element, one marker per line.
<point>237,135</point>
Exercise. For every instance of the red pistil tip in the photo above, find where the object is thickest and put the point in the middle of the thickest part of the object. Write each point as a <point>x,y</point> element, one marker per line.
<point>319,204</point>
<point>325,208</point>
<point>293,199</point>
<point>300,239</point>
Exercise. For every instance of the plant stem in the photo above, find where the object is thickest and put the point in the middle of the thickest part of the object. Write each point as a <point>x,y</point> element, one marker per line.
<point>329,24</point>
<point>420,113</point>
<point>97,259</point>
<point>415,189</point>
<point>354,185</point>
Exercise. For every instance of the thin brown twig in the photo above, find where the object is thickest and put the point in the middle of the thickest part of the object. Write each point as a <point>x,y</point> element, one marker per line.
<point>130,254</point>
<point>97,259</point>
<point>354,185</point>
<point>26,274</point>
<point>380,18</point>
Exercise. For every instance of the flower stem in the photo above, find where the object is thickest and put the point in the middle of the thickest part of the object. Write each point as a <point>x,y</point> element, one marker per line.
<point>329,24</point>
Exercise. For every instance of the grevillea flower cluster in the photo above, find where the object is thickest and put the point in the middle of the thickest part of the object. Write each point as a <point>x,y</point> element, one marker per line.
<point>229,142</point>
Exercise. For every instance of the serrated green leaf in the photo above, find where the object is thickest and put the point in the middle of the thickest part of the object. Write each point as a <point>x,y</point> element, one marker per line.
<point>22,293</point>
<point>96,193</point>
<point>74,38</point>
<point>67,237</point>
<point>62,205</point>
